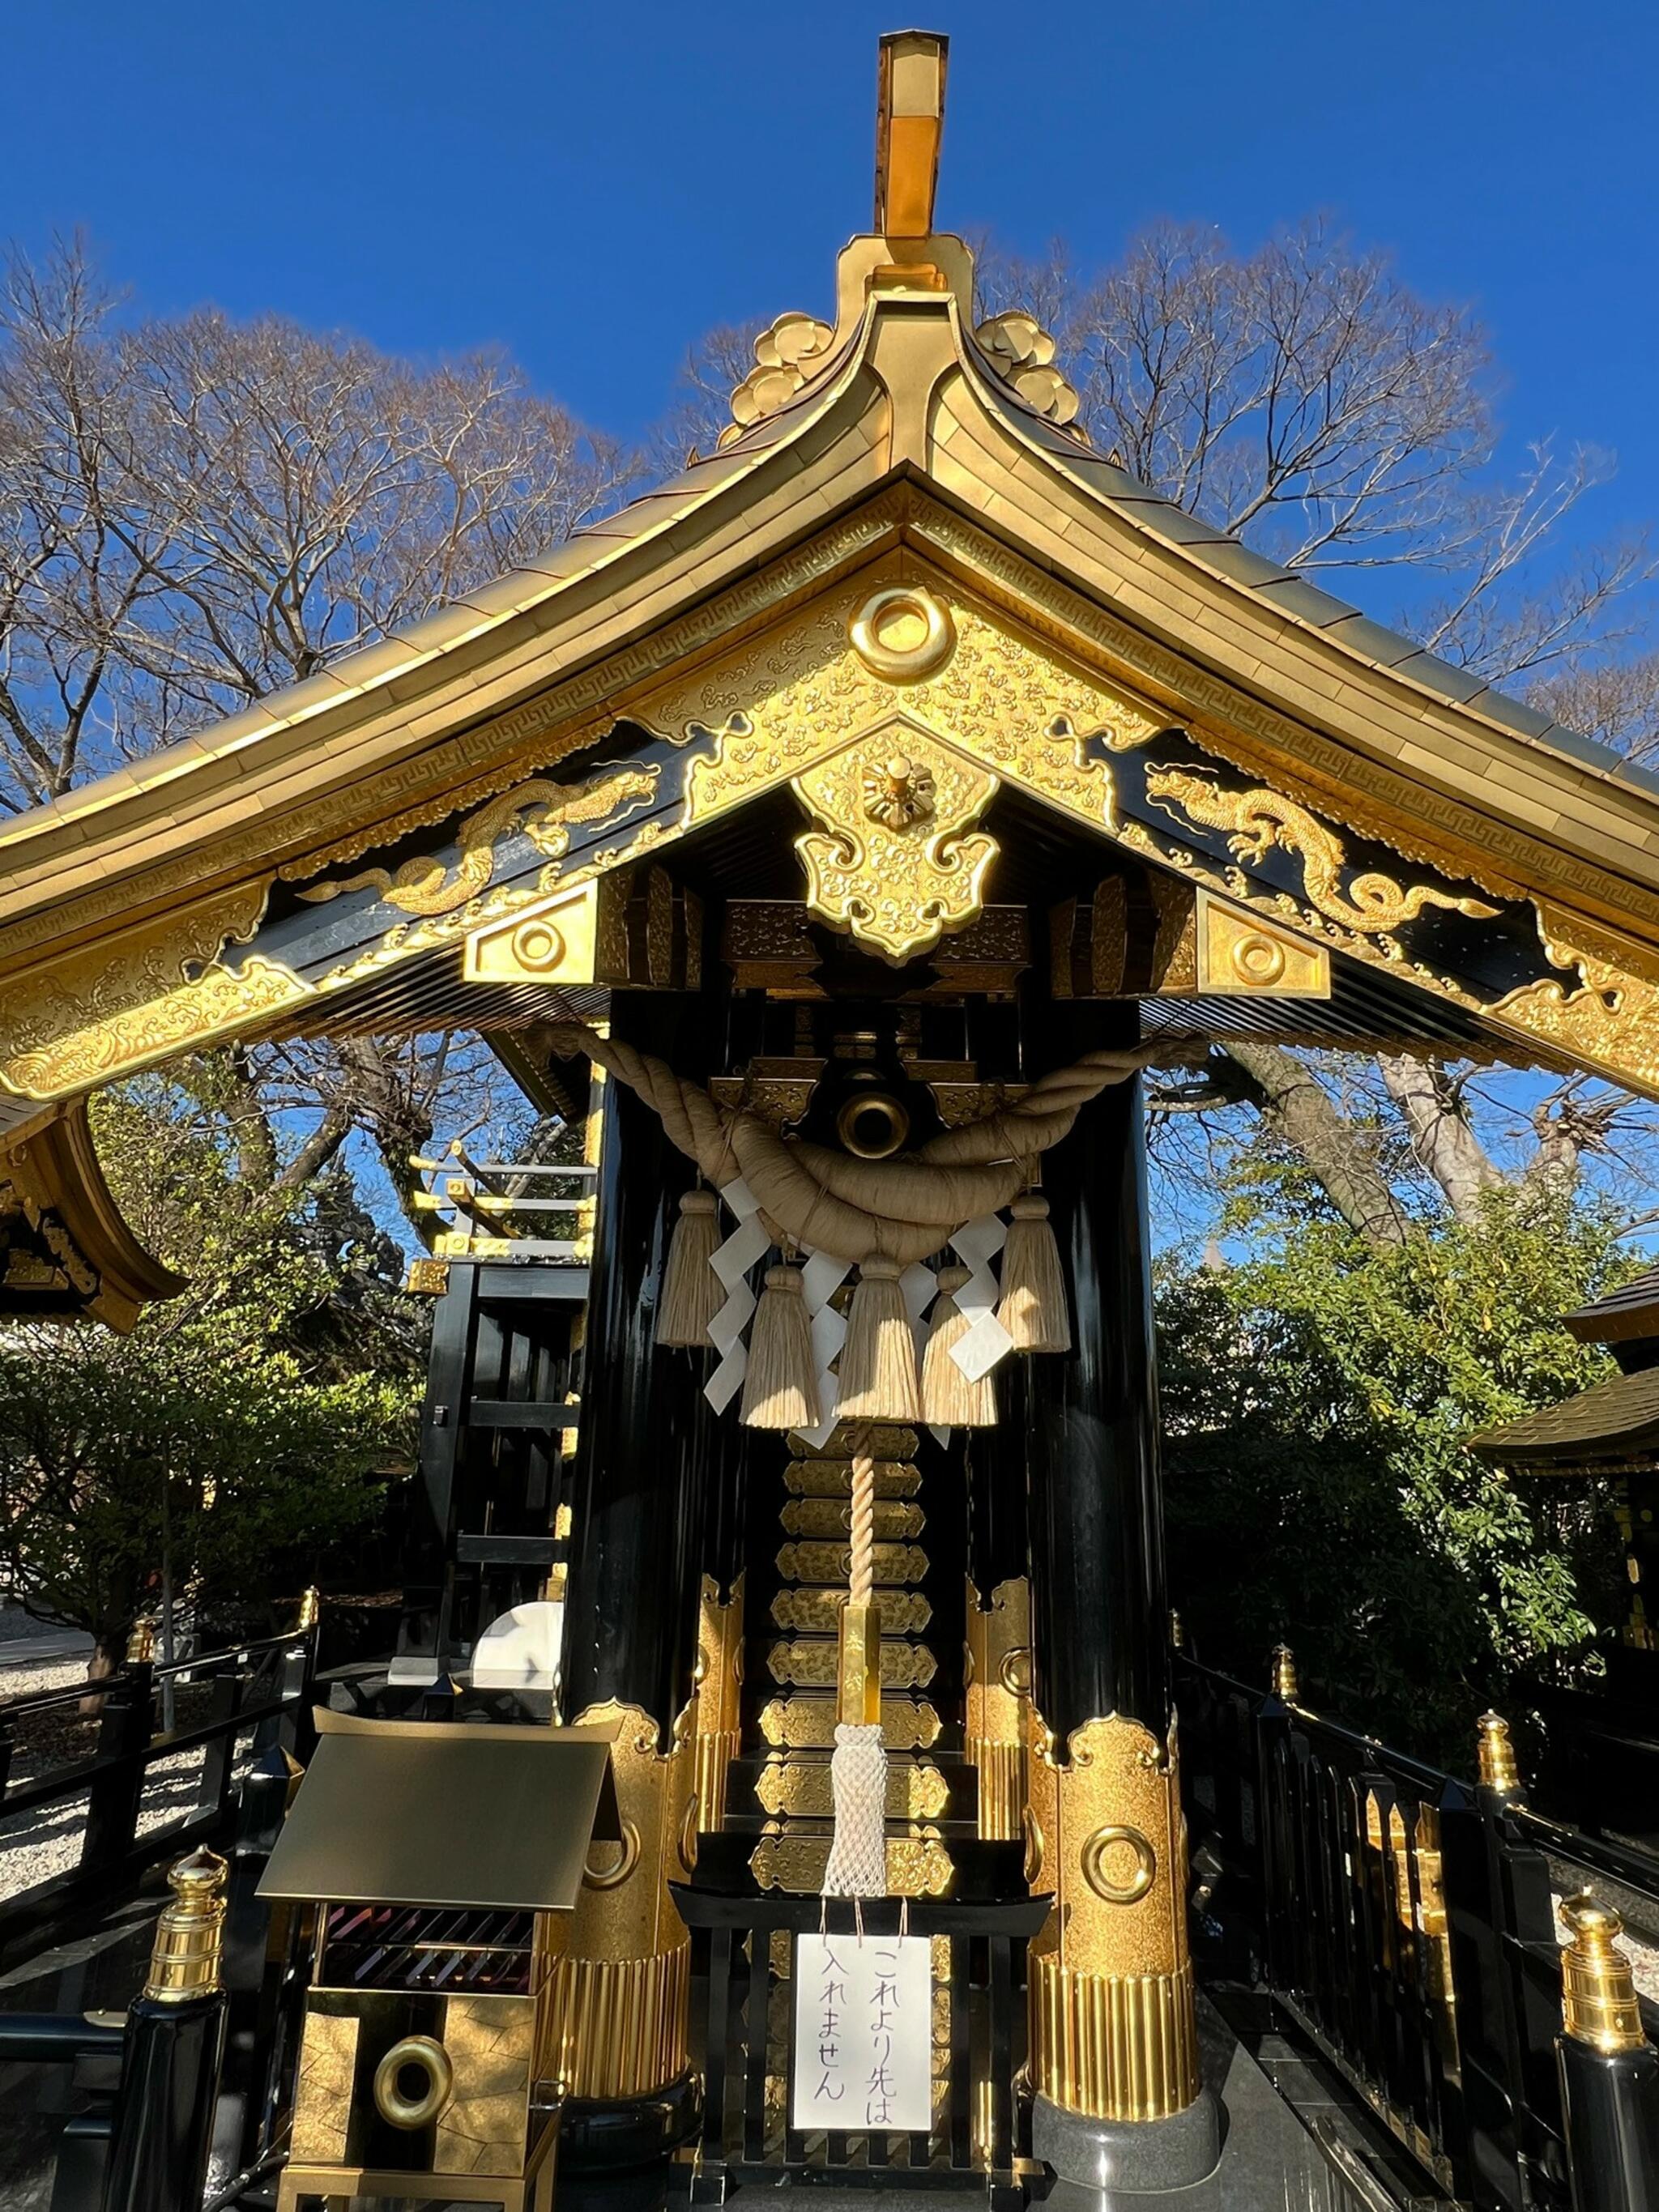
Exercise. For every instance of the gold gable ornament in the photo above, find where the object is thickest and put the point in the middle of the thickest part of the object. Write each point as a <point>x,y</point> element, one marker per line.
<point>895,862</point>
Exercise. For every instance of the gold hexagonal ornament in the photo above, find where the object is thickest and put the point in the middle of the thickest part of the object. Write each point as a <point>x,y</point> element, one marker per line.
<point>894,861</point>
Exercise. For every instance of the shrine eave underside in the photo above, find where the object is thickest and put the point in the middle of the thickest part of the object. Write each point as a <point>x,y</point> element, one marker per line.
<point>1121,664</point>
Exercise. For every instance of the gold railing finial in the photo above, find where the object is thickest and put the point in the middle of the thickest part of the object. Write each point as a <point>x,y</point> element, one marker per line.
<point>311,1604</point>
<point>1497,1767</point>
<point>141,1642</point>
<point>1598,1993</point>
<point>1285,1684</point>
<point>189,1936</point>
<point>909,123</point>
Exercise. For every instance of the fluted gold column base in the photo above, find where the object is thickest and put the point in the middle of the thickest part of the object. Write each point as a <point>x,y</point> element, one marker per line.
<point>617,2028</point>
<point>1001,1786</point>
<point>1113,2018</point>
<point>716,1725</point>
<point>1115,2047</point>
<point>616,2011</point>
<point>713,1750</point>
<point>998,1717</point>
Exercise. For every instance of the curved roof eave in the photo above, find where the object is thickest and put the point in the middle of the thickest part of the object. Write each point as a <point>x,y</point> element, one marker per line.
<point>1289,595</point>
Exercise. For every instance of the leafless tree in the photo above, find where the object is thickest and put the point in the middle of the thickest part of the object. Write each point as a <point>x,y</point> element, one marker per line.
<point>1302,396</point>
<point>195,512</point>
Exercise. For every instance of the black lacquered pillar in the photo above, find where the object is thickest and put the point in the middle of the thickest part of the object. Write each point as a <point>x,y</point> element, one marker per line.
<point>1113,2046</point>
<point>647,1441</point>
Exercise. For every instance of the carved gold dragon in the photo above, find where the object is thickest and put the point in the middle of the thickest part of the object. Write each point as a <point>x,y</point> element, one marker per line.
<point>544,810</point>
<point>1259,819</point>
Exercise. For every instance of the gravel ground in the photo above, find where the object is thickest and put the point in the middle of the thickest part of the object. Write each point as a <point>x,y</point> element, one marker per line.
<point>35,1846</point>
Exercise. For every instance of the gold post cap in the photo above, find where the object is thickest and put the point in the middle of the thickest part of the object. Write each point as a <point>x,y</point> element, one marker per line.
<point>141,1642</point>
<point>1285,1684</point>
<point>1598,1993</point>
<point>1496,1752</point>
<point>184,1961</point>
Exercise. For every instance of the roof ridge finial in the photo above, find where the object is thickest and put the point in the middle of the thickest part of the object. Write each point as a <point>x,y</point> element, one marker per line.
<point>909,123</point>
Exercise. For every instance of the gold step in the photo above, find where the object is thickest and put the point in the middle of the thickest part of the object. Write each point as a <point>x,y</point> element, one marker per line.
<point>809,1662</point>
<point>885,1439</point>
<point>833,1478</point>
<point>820,1562</point>
<point>833,1516</point>
<point>800,1789</point>
<point>814,1612</point>
<point>807,1723</point>
<point>918,1865</point>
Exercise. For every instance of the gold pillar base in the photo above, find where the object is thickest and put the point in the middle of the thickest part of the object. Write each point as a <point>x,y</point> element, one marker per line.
<point>1001,1768</point>
<point>1113,2018</point>
<point>714,1750</point>
<point>720,1698</point>
<point>1115,2047</point>
<point>998,1715</point>
<point>617,2013</point>
<point>617,2028</point>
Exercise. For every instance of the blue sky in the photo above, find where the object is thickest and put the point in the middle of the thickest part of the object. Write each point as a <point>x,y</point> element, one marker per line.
<point>590,187</point>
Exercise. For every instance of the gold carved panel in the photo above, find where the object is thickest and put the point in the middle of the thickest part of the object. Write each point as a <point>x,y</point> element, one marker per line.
<point>894,861</point>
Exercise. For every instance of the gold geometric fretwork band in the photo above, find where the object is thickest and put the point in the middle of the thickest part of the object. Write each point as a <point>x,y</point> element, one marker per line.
<point>1113,2028</point>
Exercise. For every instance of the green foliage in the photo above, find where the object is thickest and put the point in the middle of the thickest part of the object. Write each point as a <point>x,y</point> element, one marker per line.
<point>1315,1399</point>
<point>241,1428</point>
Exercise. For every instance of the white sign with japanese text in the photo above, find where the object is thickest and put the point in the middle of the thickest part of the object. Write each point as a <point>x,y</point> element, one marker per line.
<point>864,2040</point>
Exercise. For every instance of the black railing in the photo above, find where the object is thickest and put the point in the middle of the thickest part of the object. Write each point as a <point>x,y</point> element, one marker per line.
<point>1405,1922</point>
<point>100,1755</point>
<point>748,2058</point>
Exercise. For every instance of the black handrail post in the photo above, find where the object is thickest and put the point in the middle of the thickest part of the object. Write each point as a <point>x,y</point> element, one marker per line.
<point>164,2110</point>
<point>1496,1893</point>
<point>253,2038</point>
<point>219,1761</point>
<point>1609,2070</point>
<point>117,1788</point>
<point>1275,1850</point>
<point>299,1681</point>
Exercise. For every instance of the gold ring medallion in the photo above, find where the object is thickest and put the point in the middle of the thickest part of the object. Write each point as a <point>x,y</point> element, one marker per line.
<point>873,1125</point>
<point>1093,1865</point>
<point>429,2055</point>
<point>902,634</point>
<point>613,1877</point>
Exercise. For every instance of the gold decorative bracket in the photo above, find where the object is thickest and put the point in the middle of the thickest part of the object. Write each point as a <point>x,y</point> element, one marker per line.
<point>895,862</point>
<point>554,943</point>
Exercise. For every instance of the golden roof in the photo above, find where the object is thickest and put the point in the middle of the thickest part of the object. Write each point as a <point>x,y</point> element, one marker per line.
<point>902,443</point>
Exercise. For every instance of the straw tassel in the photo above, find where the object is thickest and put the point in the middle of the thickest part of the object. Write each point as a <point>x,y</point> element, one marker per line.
<point>878,1368</point>
<point>948,1400</point>
<point>780,1385</point>
<point>1033,1304</point>
<point>692,1293</point>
